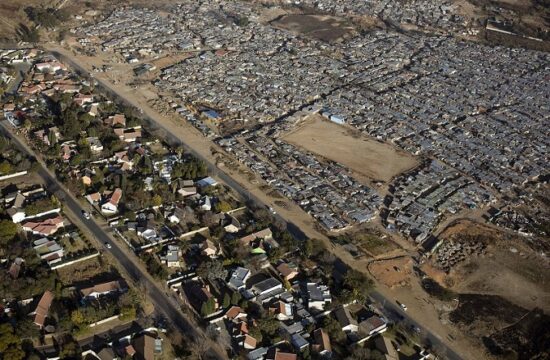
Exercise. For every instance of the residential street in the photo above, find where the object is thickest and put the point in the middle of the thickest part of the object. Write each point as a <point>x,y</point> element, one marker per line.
<point>129,262</point>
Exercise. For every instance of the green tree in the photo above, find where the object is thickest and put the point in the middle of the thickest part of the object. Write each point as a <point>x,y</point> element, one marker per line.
<point>5,168</point>
<point>10,343</point>
<point>8,230</point>
<point>269,326</point>
<point>333,328</point>
<point>256,333</point>
<point>157,200</point>
<point>71,125</point>
<point>208,307</point>
<point>222,206</point>
<point>52,138</point>
<point>226,301</point>
<point>359,284</point>
<point>308,247</point>
<point>78,318</point>
<point>212,270</point>
<point>4,144</point>
<point>235,298</point>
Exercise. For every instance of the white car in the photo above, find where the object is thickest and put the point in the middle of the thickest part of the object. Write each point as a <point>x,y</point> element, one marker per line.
<point>403,306</point>
<point>107,245</point>
<point>86,215</point>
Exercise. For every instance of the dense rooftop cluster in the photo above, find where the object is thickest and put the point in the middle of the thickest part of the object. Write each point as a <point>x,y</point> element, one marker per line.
<point>424,14</point>
<point>432,96</point>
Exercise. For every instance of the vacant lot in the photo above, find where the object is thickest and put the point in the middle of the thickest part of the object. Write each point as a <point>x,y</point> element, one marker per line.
<point>340,144</point>
<point>393,272</point>
<point>321,27</point>
<point>509,268</point>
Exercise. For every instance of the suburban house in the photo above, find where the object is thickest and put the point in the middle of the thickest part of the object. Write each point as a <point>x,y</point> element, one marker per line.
<point>235,313</point>
<point>317,296</point>
<point>283,311</point>
<point>48,250</point>
<point>95,144</point>
<point>108,201</point>
<point>384,345</point>
<point>249,342</point>
<point>276,354</point>
<point>238,278</point>
<point>144,346</point>
<point>267,289</point>
<point>322,343</point>
<point>19,199</point>
<point>115,120</point>
<point>230,224</point>
<point>187,191</point>
<point>15,267</point>
<point>209,249</point>
<point>288,273</point>
<point>206,182</point>
<point>45,227</point>
<point>102,289</point>
<point>372,326</point>
<point>128,135</point>
<point>171,257</point>
<point>43,308</point>
<point>347,322</point>
<point>111,205</point>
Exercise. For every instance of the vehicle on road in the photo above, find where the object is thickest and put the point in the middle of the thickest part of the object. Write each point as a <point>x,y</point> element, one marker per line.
<point>86,215</point>
<point>107,245</point>
<point>403,306</point>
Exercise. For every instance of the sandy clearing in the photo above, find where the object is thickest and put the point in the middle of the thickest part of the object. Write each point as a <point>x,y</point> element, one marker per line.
<point>368,157</point>
<point>392,272</point>
<point>321,27</point>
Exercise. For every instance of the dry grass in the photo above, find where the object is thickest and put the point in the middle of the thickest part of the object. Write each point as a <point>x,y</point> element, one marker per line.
<point>12,13</point>
<point>81,271</point>
<point>365,156</point>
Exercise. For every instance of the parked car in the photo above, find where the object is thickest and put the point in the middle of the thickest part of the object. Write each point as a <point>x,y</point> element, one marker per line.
<point>403,306</point>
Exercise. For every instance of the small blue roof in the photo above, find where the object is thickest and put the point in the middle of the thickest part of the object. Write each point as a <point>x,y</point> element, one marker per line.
<point>207,181</point>
<point>212,114</point>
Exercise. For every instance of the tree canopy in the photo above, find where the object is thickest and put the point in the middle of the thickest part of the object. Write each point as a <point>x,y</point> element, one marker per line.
<point>8,230</point>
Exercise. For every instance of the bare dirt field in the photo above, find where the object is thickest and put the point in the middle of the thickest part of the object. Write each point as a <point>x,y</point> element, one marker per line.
<point>373,159</point>
<point>509,268</point>
<point>393,272</point>
<point>321,27</point>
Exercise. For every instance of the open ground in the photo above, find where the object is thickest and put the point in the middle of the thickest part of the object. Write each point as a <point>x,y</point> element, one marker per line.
<point>365,156</point>
<point>509,268</point>
<point>321,27</point>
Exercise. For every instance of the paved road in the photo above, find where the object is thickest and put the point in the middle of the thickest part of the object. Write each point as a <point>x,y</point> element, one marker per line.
<point>158,297</point>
